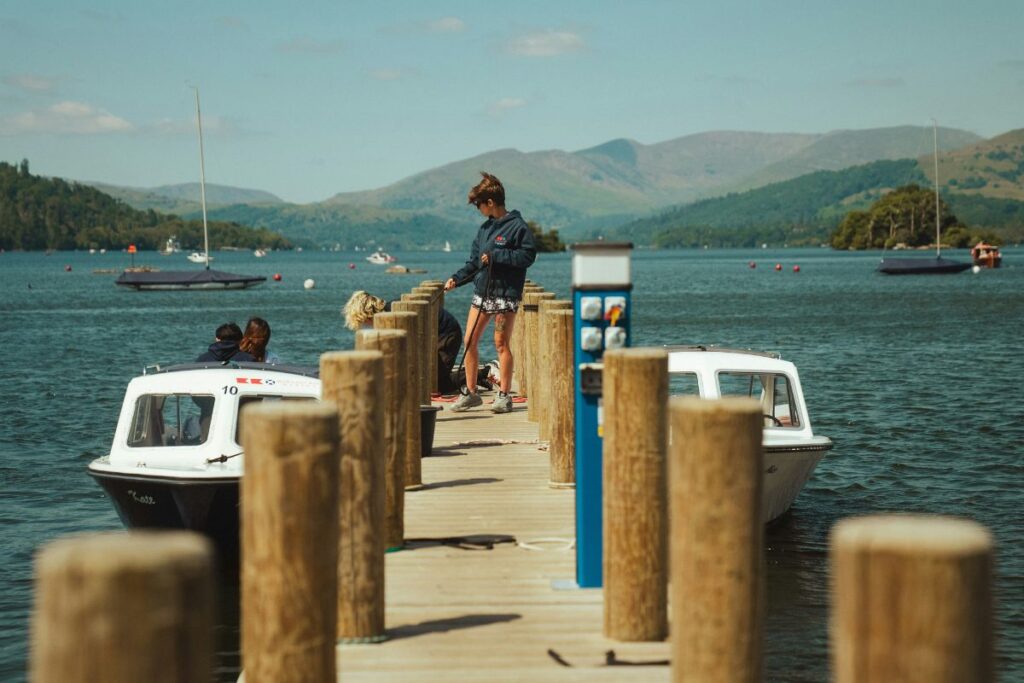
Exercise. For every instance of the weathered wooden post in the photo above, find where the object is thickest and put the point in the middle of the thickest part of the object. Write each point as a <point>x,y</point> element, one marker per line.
<point>429,295</point>
<point>407,321</point>
<point>519,342</point>
<point>562,449</point>
<point>545,369</point>
<point>531,306</point>
<point>411,304</point>
<point>354,381</point>
<point>123,607</point>
<point>436,289</point>
<point>717,539</point>
<point>392,344</point>
<point>635,517</point>
<point>289,553</point>
<point>912,600</point>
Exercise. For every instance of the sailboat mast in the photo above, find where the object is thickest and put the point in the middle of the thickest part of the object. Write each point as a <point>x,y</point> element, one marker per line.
<point>202,183</point>
<point>935,142</point>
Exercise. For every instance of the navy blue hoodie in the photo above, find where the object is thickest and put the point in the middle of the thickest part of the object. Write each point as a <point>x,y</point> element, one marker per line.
<point>225,350</point>
<point>509,242</point>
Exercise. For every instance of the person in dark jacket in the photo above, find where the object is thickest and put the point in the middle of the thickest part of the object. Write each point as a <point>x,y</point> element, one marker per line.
<point>501,253</point>
<point>225,347</point>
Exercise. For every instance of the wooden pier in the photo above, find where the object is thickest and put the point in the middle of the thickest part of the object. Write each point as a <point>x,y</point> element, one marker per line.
<point>461,614</point>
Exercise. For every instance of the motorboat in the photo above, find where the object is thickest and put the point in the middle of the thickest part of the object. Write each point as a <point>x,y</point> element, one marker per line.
<point>175,461</point>
<point>447,247</point>
<point>199,257</point>
<point>791,448</point>
<point>986,255</point>
<point>170,247</point>
<point>259,253</point>
<point>380,258</point>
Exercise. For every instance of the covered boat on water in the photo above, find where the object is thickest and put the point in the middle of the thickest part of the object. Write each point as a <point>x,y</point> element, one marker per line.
<point>176,461</point>
<point>791,448</point>
<point>185,279</point>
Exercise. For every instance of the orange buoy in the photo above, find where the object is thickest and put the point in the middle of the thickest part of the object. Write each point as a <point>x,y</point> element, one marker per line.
<point>277,277</point>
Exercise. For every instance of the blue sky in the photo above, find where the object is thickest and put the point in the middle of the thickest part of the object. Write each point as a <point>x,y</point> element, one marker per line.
<point>320,98</point>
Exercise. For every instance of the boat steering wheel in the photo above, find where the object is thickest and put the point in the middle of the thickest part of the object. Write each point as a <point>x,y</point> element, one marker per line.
<point>775,421</point>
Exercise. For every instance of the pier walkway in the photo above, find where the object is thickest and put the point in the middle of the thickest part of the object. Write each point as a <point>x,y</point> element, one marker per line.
<point>457,614</point>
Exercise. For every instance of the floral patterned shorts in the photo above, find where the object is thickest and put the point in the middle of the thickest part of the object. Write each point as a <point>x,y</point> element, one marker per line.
<point>495,304</point>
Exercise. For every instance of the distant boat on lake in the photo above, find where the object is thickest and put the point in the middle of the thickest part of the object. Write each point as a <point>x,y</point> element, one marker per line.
<point>191,279</point>
<point>925,266</point>
<point>447,246</point>
<point>986,255</point>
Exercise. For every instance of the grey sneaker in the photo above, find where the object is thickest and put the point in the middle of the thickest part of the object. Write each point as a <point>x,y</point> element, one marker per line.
<point>502,404</point>
<point>465,402</point>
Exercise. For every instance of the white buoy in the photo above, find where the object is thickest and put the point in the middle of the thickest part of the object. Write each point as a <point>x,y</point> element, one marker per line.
<point>309,283</point>
<point>976,269</point>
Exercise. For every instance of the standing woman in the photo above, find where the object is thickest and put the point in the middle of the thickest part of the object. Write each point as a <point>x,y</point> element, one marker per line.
<point>501,253</point>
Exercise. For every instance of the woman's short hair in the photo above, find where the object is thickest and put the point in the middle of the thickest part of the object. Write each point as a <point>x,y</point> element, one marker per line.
<point>488,188</point>
<point>361,308</point>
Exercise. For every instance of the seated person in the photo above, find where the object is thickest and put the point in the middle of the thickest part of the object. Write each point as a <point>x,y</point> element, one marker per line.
<point>255,340</point>
<point>361,308</point>
<point>225,347</point>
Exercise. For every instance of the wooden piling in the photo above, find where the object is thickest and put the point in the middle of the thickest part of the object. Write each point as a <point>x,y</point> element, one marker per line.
<point>545,368</point>
<point>531,305</point>
<point>635,518</point>
<point>391,343</point>
<point>412,304</point>
<point>717,539</point>
<point>562,394</point>
<point>123,607</point>
<point>519,344</point>
<point>354,381</point>
<point>430,295</point>
<point>408,322</point>
<point>911,600</point>
<point>289,520</point>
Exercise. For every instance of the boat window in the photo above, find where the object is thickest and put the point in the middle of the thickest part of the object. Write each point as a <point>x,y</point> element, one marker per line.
<point>260,398</point>
<point>771,389</point>
<point>683,384</point>
<point>170,420</point>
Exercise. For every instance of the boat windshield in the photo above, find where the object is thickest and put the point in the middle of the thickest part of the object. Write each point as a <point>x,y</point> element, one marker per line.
<point>260,398</point>
<point>683,384</point>
<point>171,420</point>
<point>773,391</point>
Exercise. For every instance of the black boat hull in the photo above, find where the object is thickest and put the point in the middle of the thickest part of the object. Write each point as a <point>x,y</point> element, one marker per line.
<point>921,266</point>
<point>208,506</point>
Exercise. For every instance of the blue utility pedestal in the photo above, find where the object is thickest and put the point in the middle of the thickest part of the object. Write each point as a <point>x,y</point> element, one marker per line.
<point>601,284</point>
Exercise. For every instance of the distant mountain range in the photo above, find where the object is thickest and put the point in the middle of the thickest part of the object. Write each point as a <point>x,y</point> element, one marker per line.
<point>595,190</point>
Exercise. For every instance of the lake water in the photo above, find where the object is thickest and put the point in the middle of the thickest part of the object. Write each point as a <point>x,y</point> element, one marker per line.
<point>916,379</point>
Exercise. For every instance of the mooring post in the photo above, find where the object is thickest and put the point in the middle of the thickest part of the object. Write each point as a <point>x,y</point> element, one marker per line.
<point>519,342</point>
<point>391,343</point>
<point>545,369</point>
<point>635,517</point>
<point>354,381</point>
<point>562,449</point>
<point>404,316</point>
<point>911,600</point>
<point>413,303</point>
<point>289,521</point>
<point>717,539</point>
<point>97,597</point>
<point>433,317</point>
<point>531,306</point>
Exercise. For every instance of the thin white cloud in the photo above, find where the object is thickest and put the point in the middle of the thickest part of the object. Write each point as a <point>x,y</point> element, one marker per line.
<point>65,118</point>
<point>445,25</point>
<point>385,74</point>
<point>31,82</point>
<point>306,45</point>
<point>233,23</point>
<point>546,44</point>
<point>877,83</point>
<point>505,104</point>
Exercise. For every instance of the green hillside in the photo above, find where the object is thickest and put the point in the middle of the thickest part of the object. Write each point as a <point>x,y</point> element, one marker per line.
<point>991,168</point>
<point>50,213</point>
<point>806,210</point>
<point>184,198</point>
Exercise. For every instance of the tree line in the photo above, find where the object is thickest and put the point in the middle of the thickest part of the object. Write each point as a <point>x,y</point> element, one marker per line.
<point>39,213</point>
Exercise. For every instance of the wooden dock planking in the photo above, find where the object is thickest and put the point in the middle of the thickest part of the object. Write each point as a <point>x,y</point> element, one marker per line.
<point>490,615</point>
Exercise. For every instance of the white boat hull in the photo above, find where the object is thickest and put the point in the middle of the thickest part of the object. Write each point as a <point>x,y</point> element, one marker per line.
<point>785,474</point>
